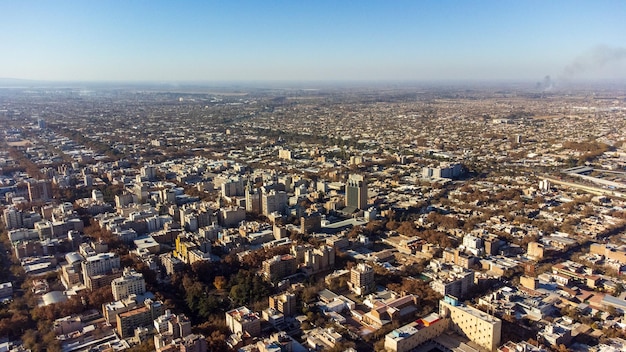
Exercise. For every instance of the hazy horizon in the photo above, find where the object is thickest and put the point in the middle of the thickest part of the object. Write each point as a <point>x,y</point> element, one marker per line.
<point>327,41</point>
<point>317,84</point>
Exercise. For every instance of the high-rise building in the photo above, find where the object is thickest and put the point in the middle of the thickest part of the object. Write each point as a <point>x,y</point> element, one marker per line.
<point>356,192</point>
<point>459,258</point>
<point>444,170</point>
<point>535,250</point>
<point>97,266</point>
<point>284,303</point>
<point>231,216</point>
<point>12,218</point>
<point>310,223</point>
<point>362,279</point>
<point>141,316</point>
<point>284,154</point>
<point>171,263</point>
<point>315,260</point>
<point>97,195</point>
<point>88,180</point>
<point>233,187</point>
<point>39,190</point>
<point>100,264</point>
<point>123,200</point>
<point>189,219</point>
<point>177,325</point>
<point>253,199</point>
<point>168,196</point>
<point>279,267</point>
<point>148,172</point>
<point>273,201</point>
<point>130,283</point>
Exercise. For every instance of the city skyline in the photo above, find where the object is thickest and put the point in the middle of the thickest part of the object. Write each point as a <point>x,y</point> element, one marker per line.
<point>329,41</point>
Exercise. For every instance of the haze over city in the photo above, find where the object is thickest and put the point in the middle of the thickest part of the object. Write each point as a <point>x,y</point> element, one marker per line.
<point>167,41</point>
<point>319,176</point>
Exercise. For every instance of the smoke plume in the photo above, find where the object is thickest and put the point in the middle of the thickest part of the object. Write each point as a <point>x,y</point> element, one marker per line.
<point>594,59</point>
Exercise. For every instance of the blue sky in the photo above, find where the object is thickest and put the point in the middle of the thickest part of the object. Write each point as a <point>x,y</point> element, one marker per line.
<point>312,40</point>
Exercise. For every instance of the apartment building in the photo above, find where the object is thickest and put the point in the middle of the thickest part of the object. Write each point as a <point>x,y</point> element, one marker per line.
<point>454,283</point>
<point>480,327</point>
<point>279,267</point>
<point>142,316</point>
<point>284,303</point>
<point>170,327</point>
<point>130,283</point>
<point>356,192</point>
<point>243,321</point>
<point>100,270</point>
<point>362,279</point>
<point>410,336</point>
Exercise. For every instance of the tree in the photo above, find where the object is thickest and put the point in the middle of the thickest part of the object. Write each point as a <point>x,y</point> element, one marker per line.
<point>379,346</point>
<point>19,322</point>
<point>342,346</point>
<point>562,348</point>
<point>194,291</point>
<point>355,232</point>
<point>619,288</point>
<point>30,340</point>
<point>338,284</point>
<point>145,346</point>
<point>96,298</point>
<point>611,310</point>
<point>374,227</point>
<point>220,282</point>
<point>392,225</point>
<point>51,343</point>
<point>255,258</point>
<point>248,288</point>
<point>148,274</point>
<point>407,228</point>
<point>14,325</point>
<point>216,341</point>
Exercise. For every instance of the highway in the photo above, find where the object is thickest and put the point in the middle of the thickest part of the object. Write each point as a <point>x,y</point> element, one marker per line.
<point>590,189</point>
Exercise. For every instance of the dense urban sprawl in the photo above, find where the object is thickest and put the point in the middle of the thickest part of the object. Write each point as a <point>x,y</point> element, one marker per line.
<point>339,219</point>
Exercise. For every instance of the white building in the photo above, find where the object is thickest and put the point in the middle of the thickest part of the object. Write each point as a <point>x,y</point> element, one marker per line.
<point>100,264</point>
<point>130,283</point>
<point>170,327</point>
<point>243,321</point>
<point>473,244</point>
